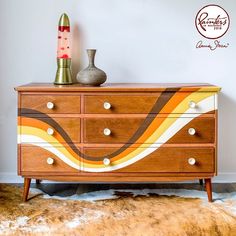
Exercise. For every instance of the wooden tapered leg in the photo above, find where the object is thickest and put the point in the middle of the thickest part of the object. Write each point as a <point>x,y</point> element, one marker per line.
<point>209,189</point>
<point>27,182</point>
<point>38,181</point>
<point>201,181</point>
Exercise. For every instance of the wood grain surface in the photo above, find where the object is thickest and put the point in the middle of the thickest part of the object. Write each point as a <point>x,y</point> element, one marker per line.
<point>62,103</point>
<point>34,159</point>
<point>129,87</point>
<point>69,126</point>
<point>166,160</point>
<point>137,104</point>
<point>124,130</point>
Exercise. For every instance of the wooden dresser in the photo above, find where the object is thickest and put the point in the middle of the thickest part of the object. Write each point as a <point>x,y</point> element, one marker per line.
<point>117,133</point>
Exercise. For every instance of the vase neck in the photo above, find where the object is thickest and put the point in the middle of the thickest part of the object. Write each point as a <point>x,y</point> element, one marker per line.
<point>91,56</point>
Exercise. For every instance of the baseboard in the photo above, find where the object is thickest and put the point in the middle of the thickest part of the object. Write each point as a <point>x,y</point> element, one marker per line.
<point>223,177</point>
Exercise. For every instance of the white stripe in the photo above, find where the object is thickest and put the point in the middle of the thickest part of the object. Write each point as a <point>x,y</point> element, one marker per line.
<point>204,106</point>
<point>36,141</point>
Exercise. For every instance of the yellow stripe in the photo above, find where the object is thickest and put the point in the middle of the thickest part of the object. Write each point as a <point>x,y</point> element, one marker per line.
<point>210,89</point>
<point>134,153</point>
<point>179,111</point>
<point>181,108</point>
<point>26,130</point>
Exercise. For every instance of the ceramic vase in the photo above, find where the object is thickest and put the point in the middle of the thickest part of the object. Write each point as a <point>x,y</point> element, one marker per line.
<point>91,76</point>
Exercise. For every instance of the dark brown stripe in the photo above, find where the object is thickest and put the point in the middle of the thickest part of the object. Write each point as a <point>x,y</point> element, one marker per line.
<point>160,103</point>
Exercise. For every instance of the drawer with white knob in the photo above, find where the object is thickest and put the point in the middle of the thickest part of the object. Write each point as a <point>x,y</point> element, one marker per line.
<point>110,130</point>
<point>149,130</point>
<point>49,104</point>
<point>161,160</point>
<point>45,160</point>
<point>198,130</point>
<point>122,103</point>
<point>156,103</point>
<point>33,129</point>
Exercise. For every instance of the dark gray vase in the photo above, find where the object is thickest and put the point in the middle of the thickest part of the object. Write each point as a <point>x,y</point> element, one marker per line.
<point>91,75</point>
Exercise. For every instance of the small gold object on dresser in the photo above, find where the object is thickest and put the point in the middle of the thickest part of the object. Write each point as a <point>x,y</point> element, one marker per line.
<point>117,133</point>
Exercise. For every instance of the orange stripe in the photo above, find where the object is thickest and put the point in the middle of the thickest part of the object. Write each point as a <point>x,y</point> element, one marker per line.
<point>31,122</point>
<point>168,108</point>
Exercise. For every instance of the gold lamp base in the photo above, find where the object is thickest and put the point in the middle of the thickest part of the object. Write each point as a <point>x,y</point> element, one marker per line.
<point>63,75</point>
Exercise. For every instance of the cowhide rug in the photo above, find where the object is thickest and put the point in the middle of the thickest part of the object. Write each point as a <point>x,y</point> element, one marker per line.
<point>117,212</point>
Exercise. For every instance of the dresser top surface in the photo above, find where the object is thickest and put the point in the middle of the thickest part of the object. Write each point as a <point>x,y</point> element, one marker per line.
<point>119,87</point>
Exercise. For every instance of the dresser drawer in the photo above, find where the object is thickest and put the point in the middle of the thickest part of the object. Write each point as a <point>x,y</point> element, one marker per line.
<point>122,129</point>
<point>161,160</point>
<point>99,104</point>
<point>158,103</point>
<point>49,130</point>
<point>38,159</point>
<point>45,103</point>
<point>149,130</point>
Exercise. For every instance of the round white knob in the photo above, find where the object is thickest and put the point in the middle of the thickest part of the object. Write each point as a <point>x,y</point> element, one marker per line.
<point>50,131</point>
<point>50,105</point>
<point>106,161</point>
<point>191,161</point>
<point>107,105</point>
<point>191,131</point>
<point>192,104</point>
<point>107,131</point>
<point>50,161</point>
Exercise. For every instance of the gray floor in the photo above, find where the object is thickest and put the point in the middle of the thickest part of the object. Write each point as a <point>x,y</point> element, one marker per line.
<point>65,189</point>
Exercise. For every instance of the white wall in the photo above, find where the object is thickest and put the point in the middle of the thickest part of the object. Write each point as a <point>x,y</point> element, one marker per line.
<point>137,41</point>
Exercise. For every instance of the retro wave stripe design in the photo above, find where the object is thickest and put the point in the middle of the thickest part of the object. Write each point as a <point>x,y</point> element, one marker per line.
<point>155,131</point>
